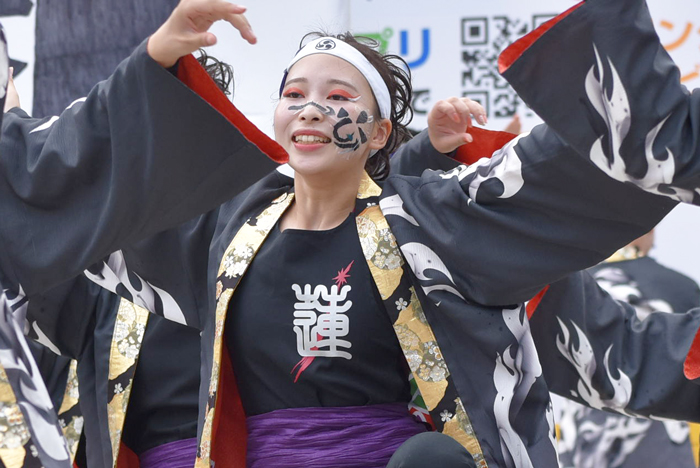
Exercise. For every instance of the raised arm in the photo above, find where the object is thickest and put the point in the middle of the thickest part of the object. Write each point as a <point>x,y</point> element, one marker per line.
<point>142,152</point>
<point>613,106</point>
<point>119,165</point>
<point>619,101</point>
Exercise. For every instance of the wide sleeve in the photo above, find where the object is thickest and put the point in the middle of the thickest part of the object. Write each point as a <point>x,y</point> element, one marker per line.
<point>63,318</point>
<point>596,350</point>
<point>600,78</point>
<point>566,195</point>
<point>516,220</point>
<point>141,153</point>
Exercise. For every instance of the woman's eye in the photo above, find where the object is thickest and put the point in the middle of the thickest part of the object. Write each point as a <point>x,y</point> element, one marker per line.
<point>293,93</point>
<point>341,95</point>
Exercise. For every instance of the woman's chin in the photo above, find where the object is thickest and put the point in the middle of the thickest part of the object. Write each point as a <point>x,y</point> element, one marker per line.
<point>310,167</point>
<point>329,167</point>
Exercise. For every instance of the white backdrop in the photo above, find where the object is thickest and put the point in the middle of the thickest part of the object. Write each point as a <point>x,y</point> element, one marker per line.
<point>451,47</point>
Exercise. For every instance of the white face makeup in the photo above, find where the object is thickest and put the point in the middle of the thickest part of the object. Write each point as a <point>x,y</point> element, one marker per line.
<point>350,123</point>
<point>325,111</point>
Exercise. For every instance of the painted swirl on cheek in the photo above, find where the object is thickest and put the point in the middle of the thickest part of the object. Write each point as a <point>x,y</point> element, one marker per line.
<point>350,140</point>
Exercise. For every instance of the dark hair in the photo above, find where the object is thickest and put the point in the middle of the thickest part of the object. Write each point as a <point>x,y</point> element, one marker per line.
<point>397,76</point>
<point>220,72</point>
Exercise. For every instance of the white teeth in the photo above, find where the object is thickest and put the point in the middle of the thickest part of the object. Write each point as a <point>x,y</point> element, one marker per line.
<point>311,139</point>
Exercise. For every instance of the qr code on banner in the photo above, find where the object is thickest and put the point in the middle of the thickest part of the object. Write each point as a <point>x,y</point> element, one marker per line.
<point>483,39</point>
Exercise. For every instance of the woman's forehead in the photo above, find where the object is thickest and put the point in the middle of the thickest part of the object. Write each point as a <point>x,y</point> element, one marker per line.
<point>327,69</point>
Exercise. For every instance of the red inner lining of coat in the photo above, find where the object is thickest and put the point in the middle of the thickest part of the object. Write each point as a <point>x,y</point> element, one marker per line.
<point>514,51</point>
<point>191,73</point>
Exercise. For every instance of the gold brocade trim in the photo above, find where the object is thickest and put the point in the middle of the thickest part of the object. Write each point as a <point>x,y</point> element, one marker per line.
<point>628,252</point>
<point>422,352</point>
<point>70,396</point>
<point>14,432</point>
<point>129,329</point>
<point>368,188</point>
<point>380,250</point>
<point>235,261</point>
<point>74,428</point>
<point>416,337</point>
<point>460,428</point>
<point>13,458</point>
<point>250,237</point>
<point>205,445</point>
<point>694,440</point>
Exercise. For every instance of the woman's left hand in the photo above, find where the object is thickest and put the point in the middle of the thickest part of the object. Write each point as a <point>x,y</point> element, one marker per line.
<point>187,29</point>
<point>449,121</point>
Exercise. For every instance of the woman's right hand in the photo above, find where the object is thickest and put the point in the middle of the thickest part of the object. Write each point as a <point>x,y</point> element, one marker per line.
<point>449,122</point>
<point>187,29</point>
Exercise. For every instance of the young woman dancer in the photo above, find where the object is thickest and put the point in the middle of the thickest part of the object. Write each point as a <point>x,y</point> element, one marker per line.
<point>290,280</point>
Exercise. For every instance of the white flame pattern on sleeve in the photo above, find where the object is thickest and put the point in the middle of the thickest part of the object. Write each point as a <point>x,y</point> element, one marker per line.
<point>393,205</point>
<point>421,259</point>
<point>514,375</point>
<point>616,112</point>
<point>32,396</point>
<point>115,272</point>
<point>49,123</point>
<point>504,165</point>
<point>583,360</point>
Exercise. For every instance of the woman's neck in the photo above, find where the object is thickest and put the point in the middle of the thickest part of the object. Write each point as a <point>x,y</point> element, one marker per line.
<point>321,203</point>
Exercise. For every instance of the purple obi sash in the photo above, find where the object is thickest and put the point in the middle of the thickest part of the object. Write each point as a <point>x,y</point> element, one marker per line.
<point>343,437</point>
<point>178,454</point>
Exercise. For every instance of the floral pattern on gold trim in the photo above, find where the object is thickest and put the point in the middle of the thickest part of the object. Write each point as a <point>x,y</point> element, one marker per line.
<point>250,237</point>
<point>422,352</point>
<point>14,432</point>
<point>460,428</point>
<point>129,328</point>
<point>368,188</point>
<point>417,340</point>
<point>72,429</point>
<point>234,263</point>
<point>381,250</point>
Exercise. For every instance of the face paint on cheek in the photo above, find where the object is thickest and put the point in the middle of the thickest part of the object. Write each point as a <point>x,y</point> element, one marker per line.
<point>349,135</point>
<point>328,111</point>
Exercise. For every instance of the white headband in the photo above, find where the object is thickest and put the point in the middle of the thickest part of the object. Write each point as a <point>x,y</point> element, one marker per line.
<point>343,50</point>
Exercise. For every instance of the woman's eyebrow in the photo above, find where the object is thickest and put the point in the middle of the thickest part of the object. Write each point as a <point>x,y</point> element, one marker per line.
<point>343,83</point>
<point>296,80</point>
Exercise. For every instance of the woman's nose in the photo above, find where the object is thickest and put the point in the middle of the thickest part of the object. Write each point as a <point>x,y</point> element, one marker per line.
<point>311,112</point>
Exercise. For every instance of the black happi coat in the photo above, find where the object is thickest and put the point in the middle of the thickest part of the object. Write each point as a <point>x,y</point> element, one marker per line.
<point>591,438</point>
<point>122,353</point>
<point>477,241</point>
<point>645,283</point>
<point>620,105</point>
<point>116,166</point>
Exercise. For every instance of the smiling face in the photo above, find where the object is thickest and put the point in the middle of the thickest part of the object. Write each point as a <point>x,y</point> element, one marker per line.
<point>326,117</point>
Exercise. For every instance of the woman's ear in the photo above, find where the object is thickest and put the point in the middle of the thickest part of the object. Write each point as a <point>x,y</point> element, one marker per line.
<point>380,134</point>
